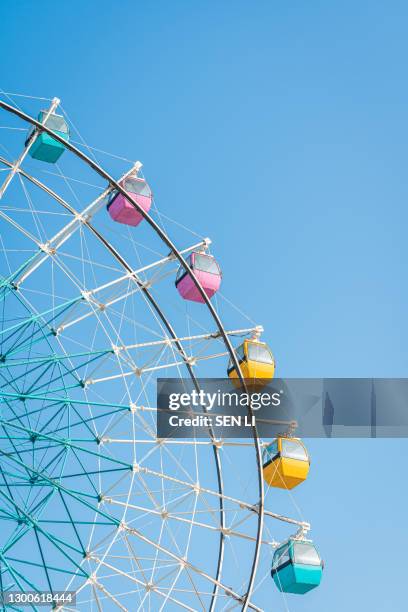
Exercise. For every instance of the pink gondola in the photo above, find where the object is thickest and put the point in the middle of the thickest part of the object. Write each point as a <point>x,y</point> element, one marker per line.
<point>123,211</point>
<point>208,273</point>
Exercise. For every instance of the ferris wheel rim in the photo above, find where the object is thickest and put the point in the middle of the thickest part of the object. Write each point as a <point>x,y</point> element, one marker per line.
<point>246,598</point>
<point>178,343</point>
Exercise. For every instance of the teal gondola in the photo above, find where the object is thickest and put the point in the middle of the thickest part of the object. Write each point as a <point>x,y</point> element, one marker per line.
<point>45,147</point>
<point>297,567</point>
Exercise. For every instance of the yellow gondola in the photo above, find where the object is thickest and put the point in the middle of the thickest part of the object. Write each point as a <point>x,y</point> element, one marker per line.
<point>286,463</point>
<point>256,361</point>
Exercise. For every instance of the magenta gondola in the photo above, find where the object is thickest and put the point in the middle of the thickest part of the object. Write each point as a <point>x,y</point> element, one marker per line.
<point>207,272</point>
<point>123,211</point>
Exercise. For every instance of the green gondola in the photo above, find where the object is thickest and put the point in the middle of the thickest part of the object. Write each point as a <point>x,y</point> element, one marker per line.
<point>297,567</point>
<point>45,147</point>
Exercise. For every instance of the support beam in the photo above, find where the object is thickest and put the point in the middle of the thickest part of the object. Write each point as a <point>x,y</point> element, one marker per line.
<point>51,246</point>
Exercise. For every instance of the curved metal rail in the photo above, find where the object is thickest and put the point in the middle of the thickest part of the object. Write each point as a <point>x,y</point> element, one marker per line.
<point>168,242</point>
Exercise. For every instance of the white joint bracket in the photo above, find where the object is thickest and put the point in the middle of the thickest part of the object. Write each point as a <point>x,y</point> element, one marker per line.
<point>136,168</point>
<point>256,334</point>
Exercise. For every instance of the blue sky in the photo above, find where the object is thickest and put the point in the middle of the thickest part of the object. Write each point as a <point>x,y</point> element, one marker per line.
<point>280,130</point>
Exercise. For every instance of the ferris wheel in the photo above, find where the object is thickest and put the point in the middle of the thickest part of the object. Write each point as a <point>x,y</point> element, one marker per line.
<point>97,301</point>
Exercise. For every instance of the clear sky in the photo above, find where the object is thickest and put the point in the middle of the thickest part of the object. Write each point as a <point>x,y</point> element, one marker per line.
<point>280,130</point>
